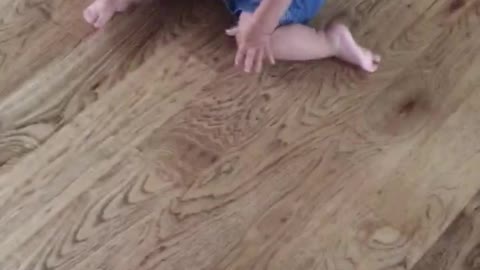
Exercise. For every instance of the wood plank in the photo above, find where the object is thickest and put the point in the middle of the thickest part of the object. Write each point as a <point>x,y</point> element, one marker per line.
<point>211,220</point>
<point>222,187</point>
<point>376,234</point>
<point>387,227</point>
<point>346,227</point>
<point>457,248</point>
<point>29,42</point>
<point>105,201</point>
<point>307,248</point>
<point>92,141</point>
<point>185,166</point>
<point>439,181</point>
<point>184,151</point>
<point>65,84</point>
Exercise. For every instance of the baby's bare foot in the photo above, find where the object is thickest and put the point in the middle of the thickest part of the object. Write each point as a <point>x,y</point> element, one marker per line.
<point>348,50</point>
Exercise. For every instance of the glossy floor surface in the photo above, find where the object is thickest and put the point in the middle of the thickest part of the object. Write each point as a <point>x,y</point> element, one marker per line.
<point>139,146</point>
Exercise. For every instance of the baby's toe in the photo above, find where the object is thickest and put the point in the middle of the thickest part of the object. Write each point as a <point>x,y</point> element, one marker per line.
<point>370,61</point>
<point>103,19</point>
<point>90,15</point>
<point>372,67</point>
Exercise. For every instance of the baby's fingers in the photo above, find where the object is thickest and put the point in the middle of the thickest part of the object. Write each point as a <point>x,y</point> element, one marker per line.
<point>259,58</point>
<point>240,56</point>
<point>250,60</point>
<point>269,52</point>
<point>232,31</point>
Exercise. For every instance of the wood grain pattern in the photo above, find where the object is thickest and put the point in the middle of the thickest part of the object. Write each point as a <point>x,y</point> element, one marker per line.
<point>141,147</point>
<point>69,83</point>
<point>458,246</point>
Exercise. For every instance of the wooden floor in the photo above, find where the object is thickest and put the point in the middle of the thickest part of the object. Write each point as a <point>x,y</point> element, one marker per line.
<point>140,146</point>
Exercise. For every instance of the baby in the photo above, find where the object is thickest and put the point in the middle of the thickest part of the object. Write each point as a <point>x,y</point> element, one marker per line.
<point>271,29</point>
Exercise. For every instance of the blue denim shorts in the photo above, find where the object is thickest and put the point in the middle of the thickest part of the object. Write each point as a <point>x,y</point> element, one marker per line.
<point>299,12</point>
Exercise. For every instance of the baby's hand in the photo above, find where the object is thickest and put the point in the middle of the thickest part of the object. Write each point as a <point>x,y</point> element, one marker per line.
<point>101,11</point>
<point>253,45</point>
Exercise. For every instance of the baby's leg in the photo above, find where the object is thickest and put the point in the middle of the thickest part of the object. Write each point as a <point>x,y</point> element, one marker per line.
<point>299,42</point>
<point>101,11</point>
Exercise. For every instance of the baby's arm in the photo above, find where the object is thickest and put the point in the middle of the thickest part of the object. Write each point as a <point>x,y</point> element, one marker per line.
<point>268,14</point>
<point>253,36</point>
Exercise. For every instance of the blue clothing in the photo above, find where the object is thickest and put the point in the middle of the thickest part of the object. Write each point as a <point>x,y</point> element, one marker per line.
<point>300,11</point>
